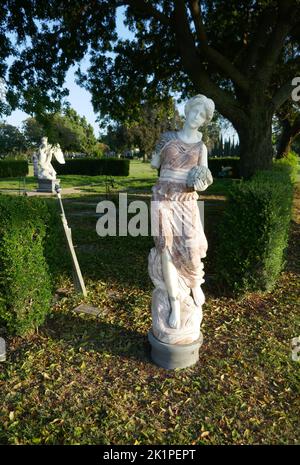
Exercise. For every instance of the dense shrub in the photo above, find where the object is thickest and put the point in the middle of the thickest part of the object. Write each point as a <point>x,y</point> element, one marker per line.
<point>253,232</point>
<point>94,166</point>
<point>55,247</point>
<point>31,252</point>
<point>13,168</point>
<point>290,162</point>
<point>215,166</point>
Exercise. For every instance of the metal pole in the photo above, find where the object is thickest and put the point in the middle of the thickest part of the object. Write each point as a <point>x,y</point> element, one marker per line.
<point>78,281</point>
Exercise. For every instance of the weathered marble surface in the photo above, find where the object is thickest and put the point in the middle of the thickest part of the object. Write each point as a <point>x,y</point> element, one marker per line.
<point>175,263</point>
<point>190,314</point>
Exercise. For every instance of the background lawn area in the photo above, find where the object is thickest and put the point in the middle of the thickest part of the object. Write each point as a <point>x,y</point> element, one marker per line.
<point>141,178</point>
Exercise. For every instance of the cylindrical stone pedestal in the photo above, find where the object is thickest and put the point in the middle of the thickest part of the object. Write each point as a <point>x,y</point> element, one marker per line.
<point>171,356</point>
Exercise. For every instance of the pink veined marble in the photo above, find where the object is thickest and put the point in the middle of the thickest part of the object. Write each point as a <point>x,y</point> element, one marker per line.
<point>177,224</point>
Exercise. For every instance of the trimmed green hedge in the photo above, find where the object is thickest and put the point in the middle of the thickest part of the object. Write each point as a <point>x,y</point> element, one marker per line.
<point>215,165</point>
<point>13,168</point>
<point>31,253</point>
<point>93,166</point>
<point>253,233</point>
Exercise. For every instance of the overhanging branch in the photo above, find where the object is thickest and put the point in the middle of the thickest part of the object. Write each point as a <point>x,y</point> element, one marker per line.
<point>211,53</point>
<point>194,67</point>
<point>272,50</point>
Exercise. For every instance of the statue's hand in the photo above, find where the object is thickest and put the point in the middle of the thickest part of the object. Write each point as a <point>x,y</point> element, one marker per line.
<point>199,178</point>
<point>199,185</point>
<point>155,161</point>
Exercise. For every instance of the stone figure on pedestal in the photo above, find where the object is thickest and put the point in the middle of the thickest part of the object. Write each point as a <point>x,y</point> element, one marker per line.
<point>42,165</point>
<point>175,263</point>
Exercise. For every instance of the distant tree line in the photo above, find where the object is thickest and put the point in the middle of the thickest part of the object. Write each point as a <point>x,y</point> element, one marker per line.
<point>227,148</point>
<point>70,130</point>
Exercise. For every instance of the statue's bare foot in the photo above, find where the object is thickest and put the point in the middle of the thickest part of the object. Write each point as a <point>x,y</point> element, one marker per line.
<point>174,319</point>
<point>198,295</point>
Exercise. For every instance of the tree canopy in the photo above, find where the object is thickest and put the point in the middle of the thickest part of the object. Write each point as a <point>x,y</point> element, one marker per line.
<point>144,131</point>
<point>12,141</point>
<point>243,55</point>
<point>71,131</point>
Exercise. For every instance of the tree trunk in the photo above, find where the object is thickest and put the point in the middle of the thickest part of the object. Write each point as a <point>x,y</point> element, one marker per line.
<point>256,150</point>
<point>284,144</point>
<point>288,134</point>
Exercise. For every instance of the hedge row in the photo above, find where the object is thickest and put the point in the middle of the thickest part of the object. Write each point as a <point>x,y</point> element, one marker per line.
<point>13,168</point>
<point>32,254</point>
<point>94,166</point>
<point>215,165</point>
<point>253,233</point>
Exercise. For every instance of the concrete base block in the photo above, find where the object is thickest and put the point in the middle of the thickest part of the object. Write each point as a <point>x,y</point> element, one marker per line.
<point>47,185</point>
<point>171,356</point>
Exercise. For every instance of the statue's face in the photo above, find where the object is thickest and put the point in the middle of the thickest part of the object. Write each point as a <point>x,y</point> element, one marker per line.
<point>196,116</point>
<point>44,140</point>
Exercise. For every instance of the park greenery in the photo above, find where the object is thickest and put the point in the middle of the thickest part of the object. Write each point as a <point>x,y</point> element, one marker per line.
<point>67,128</point>
<point>244,57</point>
<point>76,136</point>
<point>84,379</point>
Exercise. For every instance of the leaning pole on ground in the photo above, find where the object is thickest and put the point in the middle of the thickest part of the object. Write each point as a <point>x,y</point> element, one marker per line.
<point>78,279</point>
<point>175,263</point>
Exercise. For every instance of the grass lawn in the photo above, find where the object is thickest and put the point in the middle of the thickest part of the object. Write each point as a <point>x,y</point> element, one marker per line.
<point>141,178</point>
<point>89,380</point>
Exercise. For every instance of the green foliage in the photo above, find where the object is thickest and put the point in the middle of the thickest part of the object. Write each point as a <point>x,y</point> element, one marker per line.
<point>71,131</point>
<point>33,131</point>
<point>143,130</point>
<point>97,150</point>
<point>12,141</point>
<point>25,286</point>
<point>93,166</point>
<point>33,255</point>
<point>67,128</point>
<point>215,165</point>
<point>158,60</point>
<point>290,162</point>
<point>13,168</point>
<point>253,232</point>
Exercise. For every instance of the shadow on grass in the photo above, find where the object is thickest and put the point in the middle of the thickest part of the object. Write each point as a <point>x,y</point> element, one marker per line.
<point>92,334</point>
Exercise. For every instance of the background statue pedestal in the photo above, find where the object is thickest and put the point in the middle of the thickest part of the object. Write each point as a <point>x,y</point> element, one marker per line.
<point>171,356</point>
<point>47,185</point>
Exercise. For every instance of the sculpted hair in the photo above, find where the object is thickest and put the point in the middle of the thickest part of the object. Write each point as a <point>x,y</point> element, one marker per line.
<point>201,100</point>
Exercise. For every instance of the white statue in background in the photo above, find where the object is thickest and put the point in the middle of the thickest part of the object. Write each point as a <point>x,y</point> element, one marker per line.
<point>174,264</point>
<point>44,156</point>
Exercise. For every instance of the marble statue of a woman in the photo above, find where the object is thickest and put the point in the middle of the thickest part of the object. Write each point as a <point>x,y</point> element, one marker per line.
<point>174,264</point>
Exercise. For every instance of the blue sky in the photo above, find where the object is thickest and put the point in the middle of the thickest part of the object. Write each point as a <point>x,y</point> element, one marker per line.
<point>80,99</point>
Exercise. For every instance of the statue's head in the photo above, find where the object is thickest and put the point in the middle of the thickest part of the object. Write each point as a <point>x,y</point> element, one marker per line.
<point>199,110</point>
<point>44,140</point>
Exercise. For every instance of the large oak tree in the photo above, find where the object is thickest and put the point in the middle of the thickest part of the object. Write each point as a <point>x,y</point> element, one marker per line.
<point>235,52</point>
